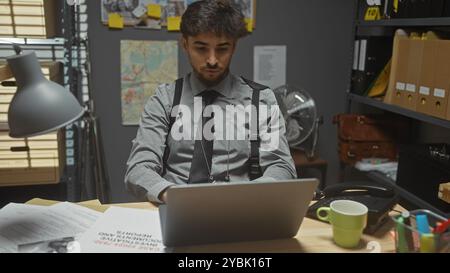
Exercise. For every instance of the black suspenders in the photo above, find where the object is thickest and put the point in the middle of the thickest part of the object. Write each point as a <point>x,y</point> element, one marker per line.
<point>175,103</point>
<point>255,143</point>
<point>255,171</point>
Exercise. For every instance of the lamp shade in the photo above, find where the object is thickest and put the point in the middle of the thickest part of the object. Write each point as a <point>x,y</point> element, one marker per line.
<point>39,105</point>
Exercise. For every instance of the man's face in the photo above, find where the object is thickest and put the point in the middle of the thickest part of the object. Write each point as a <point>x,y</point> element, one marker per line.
<point>210,56</point>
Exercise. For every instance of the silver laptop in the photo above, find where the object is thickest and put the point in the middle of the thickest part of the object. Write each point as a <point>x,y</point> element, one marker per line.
<point>231,212</point>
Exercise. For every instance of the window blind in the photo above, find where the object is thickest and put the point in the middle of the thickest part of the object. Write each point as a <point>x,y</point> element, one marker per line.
<point>22,18</point>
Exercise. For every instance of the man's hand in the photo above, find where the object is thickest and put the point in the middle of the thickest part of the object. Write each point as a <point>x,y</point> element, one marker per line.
<point>163,197</point>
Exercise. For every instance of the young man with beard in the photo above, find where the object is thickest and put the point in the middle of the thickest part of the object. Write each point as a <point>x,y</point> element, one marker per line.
<point>160,159</point>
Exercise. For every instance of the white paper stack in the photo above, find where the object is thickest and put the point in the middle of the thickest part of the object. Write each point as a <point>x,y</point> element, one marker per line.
<point>27,224</point>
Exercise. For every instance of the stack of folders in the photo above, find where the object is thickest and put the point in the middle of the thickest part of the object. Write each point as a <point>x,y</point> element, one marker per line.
<point>421,231</point>
<point>32,228</point>
<point>418,76</point>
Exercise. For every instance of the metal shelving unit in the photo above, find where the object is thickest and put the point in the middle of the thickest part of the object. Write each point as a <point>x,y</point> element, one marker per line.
<point>386,181</point>
<point>74,59</point>
<point>399,110</point>
<point>413,22</point>
<point>386,28</point>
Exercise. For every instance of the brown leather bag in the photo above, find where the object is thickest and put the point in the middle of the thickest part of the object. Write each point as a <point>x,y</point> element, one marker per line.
<point>366,136</point>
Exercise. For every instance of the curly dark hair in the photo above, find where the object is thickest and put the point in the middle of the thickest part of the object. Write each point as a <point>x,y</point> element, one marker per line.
<point>220,17</point>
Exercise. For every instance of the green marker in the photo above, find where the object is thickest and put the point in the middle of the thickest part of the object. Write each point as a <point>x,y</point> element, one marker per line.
<point>402,245</point>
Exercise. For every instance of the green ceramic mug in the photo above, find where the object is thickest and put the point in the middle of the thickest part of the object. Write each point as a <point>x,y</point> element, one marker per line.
<point>348,219</point>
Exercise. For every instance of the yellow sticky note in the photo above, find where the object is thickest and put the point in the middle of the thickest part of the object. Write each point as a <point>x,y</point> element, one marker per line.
<point>372,13</point>
<point>173,23</point>
<point>154,11</point>
<point>115,20</point>
<point>249,23</point>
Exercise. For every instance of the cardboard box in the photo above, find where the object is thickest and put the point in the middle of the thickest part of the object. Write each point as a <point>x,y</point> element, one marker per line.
<point>426,81</point>
<point>53,18</point>
<point>399,73</point>
<point>448,110</point>
<point>413,72</point>
<point>440,94</point>
<point>392,91</point>
<point>420,75</point>
<point>56,71</point>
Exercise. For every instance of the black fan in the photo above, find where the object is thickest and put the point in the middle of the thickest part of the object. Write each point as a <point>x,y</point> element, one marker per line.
<point>300,113</point>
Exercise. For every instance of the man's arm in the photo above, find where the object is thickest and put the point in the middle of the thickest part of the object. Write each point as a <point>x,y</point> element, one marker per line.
<point>275,156</point>
<point>145,164</point>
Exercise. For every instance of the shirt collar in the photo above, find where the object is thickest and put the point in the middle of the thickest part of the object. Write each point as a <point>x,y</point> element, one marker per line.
<point>224,87</point>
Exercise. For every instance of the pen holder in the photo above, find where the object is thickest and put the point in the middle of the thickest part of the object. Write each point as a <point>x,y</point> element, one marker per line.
<point>415,232</point>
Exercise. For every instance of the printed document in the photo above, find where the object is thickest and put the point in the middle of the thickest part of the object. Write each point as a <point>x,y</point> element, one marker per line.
<point>124,230</point>
<point>24,224</point>
<point>270,65</point>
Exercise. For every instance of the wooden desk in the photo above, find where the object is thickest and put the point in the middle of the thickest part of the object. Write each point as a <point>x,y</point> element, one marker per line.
<point>313,236</point>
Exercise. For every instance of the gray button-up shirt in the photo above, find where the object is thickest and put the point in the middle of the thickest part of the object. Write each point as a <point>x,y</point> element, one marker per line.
<point>145,164</point>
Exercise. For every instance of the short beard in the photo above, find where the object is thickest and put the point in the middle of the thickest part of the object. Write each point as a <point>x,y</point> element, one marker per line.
<point>209,83</point>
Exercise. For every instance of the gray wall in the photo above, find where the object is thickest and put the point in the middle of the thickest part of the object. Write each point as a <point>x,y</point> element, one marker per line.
<point>318,36</point>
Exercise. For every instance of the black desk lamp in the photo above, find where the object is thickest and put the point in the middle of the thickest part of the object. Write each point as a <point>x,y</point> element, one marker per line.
<point>40,106</point>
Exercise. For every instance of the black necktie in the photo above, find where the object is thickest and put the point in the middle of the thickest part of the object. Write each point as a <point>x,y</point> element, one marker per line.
<point>201,165</point>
